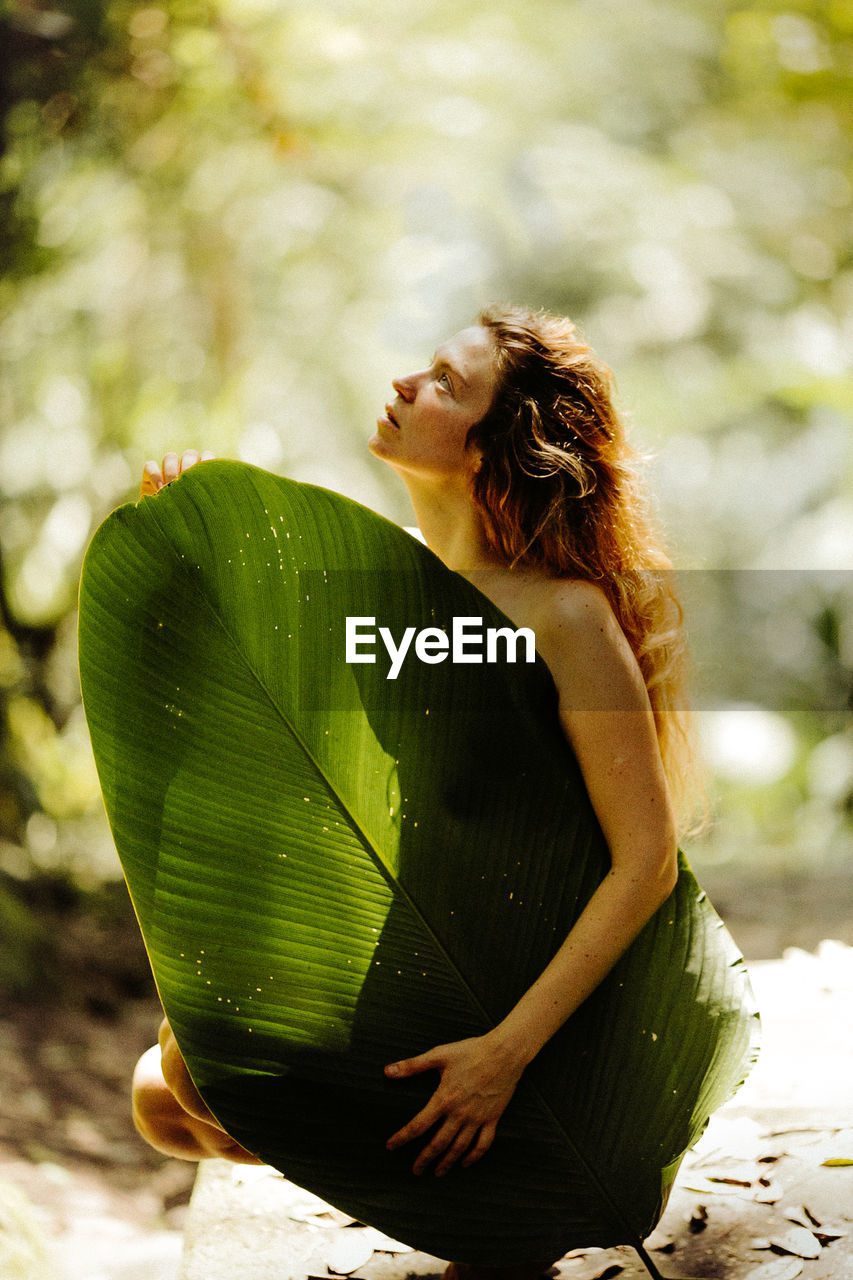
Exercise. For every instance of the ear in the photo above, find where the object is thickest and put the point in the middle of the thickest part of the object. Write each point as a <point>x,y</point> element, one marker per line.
<point>474,458</point>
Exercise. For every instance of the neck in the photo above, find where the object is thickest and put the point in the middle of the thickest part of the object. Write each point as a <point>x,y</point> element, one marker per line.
<point>451,524</point>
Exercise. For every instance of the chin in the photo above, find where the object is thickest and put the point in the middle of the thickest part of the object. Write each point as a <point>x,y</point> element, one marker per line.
<point>380,446</point>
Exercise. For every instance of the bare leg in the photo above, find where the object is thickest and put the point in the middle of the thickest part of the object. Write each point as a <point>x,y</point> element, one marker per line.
<point>172,1117</point>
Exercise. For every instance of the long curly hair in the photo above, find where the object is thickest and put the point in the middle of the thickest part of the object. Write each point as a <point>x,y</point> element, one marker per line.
<point>559,491</point>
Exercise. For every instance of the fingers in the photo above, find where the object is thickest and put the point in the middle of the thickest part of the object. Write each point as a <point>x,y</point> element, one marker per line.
<point>463,1113</point>
<point>455,1151</point>
<point>155,476</point>
<point>451,1142</point>
<point>152,479</point>
<point>485,1140</point>
<point>443,1140</point>
<point>423,1121</point>
<point>413,1066</point>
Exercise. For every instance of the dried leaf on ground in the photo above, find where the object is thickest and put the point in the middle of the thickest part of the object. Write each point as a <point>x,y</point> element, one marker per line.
<point>333,1218</point>
<point>661,1241</point>
<point>319,1214</point>
<point>384,1244</point>
<point>307,1208</point>
<point>826,1233</point>
<point>783,1269</point>
<point>799,1240</point>
<point>803,1216</point>
<point>714,1186</point>
<point>699,1220</point>
<point>349,1251</point>
<point>587,1264</point>
<point>339,1218</point>
<point>836,1162</point>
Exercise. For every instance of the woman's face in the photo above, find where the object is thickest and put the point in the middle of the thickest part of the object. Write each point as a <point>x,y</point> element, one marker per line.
<point>425,428</point>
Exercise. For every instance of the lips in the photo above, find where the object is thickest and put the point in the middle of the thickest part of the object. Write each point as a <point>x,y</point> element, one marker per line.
<point>388,420</point>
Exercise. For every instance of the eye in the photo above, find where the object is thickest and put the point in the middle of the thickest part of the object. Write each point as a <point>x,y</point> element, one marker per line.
<point>445,378</point>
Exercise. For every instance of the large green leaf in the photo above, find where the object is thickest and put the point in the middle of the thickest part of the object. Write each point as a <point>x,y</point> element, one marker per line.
<point>333,869</point>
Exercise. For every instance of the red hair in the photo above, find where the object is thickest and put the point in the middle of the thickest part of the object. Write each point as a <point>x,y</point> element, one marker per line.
<point>559,491</point>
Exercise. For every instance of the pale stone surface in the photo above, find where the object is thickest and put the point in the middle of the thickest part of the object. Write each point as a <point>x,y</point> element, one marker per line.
<point>246,1221</point>
<point>23,1249</point>
<point>806,1003</point>
<point>119,1251</point>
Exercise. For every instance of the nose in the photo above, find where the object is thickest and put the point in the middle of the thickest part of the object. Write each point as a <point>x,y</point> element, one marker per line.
<point>405,387</point>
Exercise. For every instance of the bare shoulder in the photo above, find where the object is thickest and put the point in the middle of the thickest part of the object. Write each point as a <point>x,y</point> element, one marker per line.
<point>570,611</point>
<point>585,648</point>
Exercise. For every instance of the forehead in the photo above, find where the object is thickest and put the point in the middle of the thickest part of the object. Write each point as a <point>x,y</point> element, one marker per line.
<point>472,351</point>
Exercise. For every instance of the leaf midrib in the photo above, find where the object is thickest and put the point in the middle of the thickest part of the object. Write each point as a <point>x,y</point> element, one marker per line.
<point>393,883</point>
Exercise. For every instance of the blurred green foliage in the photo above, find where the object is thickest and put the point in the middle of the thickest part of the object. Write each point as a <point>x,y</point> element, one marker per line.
<point>228,223</point>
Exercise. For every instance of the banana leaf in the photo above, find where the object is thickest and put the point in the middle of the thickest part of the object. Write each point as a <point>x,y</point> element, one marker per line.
<point>333,870</point>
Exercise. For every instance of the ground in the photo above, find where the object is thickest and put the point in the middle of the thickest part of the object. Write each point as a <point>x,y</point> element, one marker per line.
<point>95,1203</point>
<point>108,1207</point>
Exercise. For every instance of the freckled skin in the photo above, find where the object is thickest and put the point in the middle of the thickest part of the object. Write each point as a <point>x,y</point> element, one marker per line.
<point>423,435</point>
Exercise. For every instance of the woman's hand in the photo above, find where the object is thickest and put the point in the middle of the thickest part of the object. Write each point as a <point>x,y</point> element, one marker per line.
<point>154,477</point>
<point>478,1078</point>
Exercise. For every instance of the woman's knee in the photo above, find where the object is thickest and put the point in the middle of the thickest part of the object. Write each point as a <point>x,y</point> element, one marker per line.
<point>169,1128</point>
<point>157,1115</point>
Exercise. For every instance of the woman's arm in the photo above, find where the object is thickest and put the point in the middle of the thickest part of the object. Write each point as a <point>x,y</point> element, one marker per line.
<point>605,713</point>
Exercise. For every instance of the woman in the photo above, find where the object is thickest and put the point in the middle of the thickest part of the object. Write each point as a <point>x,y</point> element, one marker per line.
<point>522,481</point>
